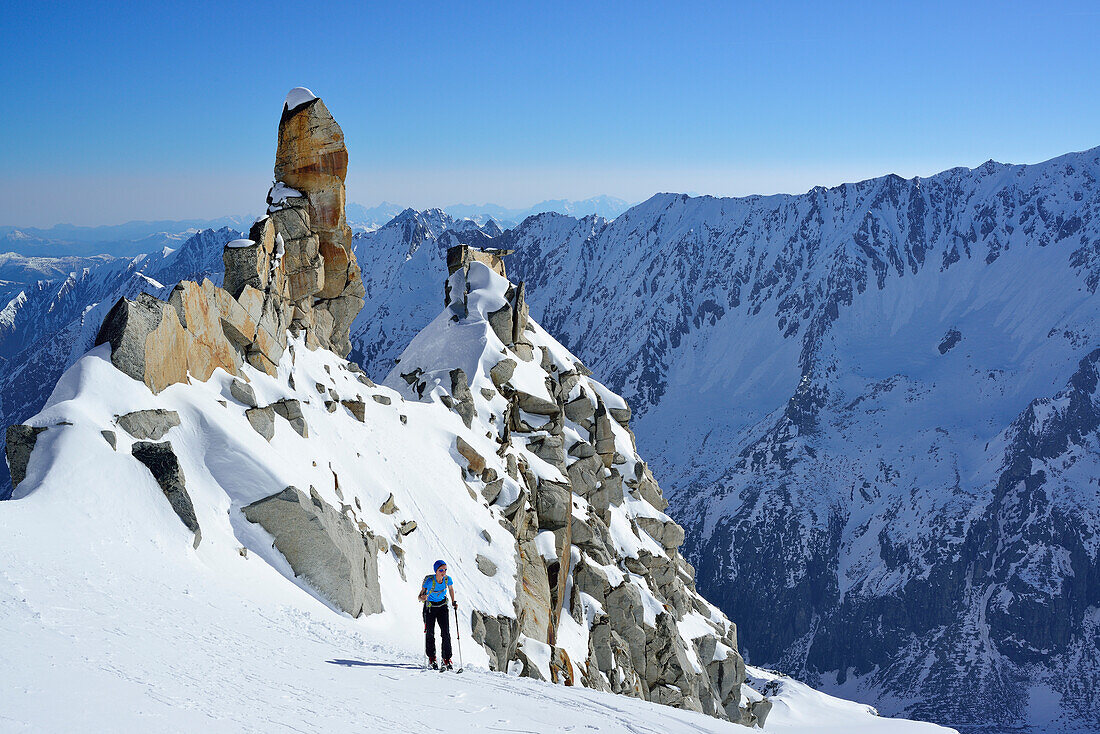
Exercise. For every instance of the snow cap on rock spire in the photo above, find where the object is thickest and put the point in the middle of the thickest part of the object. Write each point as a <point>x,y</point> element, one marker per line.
<point>297,97</point>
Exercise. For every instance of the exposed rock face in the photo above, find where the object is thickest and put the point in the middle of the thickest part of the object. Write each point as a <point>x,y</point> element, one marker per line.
<point>324,547</point>
<point>147,341</point>
<point>461,256</point>
<point>216,325</point>
<point>463,400</point>
<point>165,467</point>
<point>297,270</point>
<point>498,635</point>
<point>20,443</point>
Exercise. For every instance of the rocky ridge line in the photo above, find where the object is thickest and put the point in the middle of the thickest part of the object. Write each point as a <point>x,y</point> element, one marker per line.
<point>602,592</point>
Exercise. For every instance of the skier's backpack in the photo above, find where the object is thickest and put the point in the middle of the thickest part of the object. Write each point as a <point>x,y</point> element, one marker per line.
<point>423,595</point>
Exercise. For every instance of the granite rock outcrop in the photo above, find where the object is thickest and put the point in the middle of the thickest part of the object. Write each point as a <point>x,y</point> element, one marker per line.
<point>295,271</point>
<point>597,559</point>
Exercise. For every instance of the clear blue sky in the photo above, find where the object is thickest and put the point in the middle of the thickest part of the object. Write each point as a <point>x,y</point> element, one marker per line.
<point>169,110</point>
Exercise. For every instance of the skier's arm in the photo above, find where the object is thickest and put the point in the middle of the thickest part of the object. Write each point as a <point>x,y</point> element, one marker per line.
<point>453,602</point>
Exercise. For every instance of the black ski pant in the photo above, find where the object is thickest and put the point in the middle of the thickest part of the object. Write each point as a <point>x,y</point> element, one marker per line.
<point>440,614</point>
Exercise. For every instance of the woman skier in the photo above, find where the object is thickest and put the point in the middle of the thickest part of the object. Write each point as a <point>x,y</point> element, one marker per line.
<point>433,593</point>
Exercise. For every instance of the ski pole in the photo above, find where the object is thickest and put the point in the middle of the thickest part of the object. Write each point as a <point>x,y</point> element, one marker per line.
<point>458,638</point>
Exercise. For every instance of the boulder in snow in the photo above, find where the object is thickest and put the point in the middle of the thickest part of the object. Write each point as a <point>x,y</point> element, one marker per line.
<point>291,410</point>
<point>262,420</point>
<point>357,408</point>
<point>166,470</point>
<point>474,460</point>
<point>149,424</point>
<point>323,547</point>
<point>486,565</point>
<point>20,443</point>
<point>242,392</point>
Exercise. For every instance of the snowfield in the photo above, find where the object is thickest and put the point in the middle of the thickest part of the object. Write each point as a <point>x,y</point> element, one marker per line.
<point>113,621</point>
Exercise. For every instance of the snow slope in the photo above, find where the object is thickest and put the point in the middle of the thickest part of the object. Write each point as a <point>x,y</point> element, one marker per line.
<point>115,620</point>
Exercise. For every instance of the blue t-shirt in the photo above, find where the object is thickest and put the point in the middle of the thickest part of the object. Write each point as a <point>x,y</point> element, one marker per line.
<point>440,592</point>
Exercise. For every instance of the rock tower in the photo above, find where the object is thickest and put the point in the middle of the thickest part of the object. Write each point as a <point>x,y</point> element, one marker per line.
<point>296,271</point>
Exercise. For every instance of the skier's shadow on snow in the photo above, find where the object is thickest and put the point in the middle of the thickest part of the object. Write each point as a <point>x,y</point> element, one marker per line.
<point>364,664</point>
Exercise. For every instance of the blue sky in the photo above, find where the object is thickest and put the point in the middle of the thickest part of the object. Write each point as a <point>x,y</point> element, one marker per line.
<point>169,110</point>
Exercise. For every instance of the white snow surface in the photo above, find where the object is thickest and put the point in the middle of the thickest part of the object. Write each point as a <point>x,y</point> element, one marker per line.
<point>113,621</point>
<point>297,97</point>
<point>796,707</point>
<point>278,194</point>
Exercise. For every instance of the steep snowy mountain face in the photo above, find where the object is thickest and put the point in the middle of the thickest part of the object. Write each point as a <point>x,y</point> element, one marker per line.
<point>45,329</point>
<point>19,272</point>
<point>873,408</point>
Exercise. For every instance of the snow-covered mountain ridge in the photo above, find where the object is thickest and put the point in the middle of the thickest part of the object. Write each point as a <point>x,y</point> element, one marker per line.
<point>831,387</point>
<point>249,647</point>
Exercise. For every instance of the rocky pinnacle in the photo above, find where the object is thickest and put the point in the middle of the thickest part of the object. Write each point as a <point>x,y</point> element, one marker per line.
<point>296,271</point>
<point>311,158</point>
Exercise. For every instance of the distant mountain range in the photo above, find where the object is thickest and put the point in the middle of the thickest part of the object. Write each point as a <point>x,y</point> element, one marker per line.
<point>607,207</point>
<point>137,237</point>
<point>365,219</point>
<point>119,240</point>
